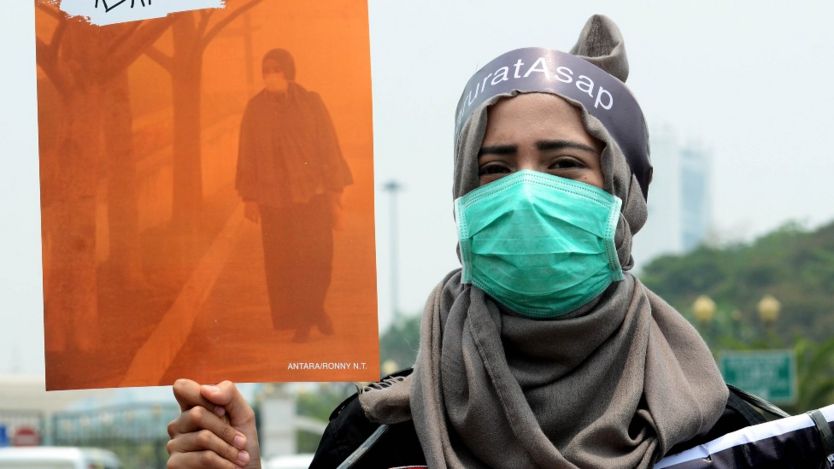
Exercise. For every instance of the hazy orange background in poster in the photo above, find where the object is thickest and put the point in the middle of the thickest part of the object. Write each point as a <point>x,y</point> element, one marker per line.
<point>151,270</point>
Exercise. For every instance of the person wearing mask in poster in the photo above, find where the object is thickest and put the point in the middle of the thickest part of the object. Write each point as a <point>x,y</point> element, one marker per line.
<point>543,350</point>
<point>290,175</point>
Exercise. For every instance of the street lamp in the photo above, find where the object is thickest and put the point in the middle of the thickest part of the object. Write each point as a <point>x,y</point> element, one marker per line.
<point>769,308</point>
<point>704,309</point>
<point>393,187</point>
<point>389,367</point>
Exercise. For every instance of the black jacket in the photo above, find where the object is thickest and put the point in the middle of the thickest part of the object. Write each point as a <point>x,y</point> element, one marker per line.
<point>348,429</point>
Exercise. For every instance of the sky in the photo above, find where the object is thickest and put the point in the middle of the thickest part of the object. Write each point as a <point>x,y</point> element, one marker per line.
<point>748,80</point>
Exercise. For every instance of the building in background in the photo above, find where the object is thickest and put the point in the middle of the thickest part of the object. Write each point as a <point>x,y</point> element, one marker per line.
<point>696,212</point>
<point>679,198</point>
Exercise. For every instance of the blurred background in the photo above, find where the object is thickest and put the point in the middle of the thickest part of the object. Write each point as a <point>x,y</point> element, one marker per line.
<point>740,237</point>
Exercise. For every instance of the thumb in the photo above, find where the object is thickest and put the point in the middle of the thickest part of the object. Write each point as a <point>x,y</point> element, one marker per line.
<point>227,395</point>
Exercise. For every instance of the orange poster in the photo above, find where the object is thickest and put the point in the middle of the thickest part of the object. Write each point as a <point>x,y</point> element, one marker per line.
<point>206,192</point>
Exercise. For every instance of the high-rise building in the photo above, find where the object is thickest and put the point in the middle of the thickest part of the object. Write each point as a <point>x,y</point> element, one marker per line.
<point>696,210</point>
<point>679,199</point>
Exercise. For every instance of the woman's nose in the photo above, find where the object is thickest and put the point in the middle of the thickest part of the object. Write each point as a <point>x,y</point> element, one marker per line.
<point>528,160</point>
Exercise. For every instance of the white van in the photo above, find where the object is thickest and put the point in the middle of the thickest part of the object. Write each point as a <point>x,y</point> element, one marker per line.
<point>54,457</point>
<point>293,461</point>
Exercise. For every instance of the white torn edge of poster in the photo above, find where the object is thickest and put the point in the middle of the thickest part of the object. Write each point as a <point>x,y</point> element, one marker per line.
<point>104,12</point>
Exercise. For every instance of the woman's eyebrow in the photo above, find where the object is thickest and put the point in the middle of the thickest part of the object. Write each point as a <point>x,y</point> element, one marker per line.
<point>498,150</point>
<point>543,145</point>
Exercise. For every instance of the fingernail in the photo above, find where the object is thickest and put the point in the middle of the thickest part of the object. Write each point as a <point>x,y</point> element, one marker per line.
<point>220,411</point>
<point>243,457</point>
<point>240,442</point>
<point>211,388</point>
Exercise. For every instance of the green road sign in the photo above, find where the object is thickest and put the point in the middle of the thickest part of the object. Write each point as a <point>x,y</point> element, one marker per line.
<point>770,374</point>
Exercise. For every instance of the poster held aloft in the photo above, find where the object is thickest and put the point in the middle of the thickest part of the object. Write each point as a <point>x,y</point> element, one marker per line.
<point>154,265</point>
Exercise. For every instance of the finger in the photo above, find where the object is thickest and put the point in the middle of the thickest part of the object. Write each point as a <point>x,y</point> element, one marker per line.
<point>187,393</point>
<point>205,440</point>
<point>198,418</point>
<point>201,459</point>
<point>227,395</point>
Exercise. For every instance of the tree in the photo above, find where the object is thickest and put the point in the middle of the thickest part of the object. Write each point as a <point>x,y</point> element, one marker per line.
<point>815,363</point>
<point>792,264</point>
<point>191,35</point>
<point>122,203</point>
<point>87,66</point>
<point>400,341</point>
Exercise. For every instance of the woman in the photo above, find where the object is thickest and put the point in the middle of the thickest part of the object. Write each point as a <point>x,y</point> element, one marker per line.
<point>290,175</point>
<point>543,351</point>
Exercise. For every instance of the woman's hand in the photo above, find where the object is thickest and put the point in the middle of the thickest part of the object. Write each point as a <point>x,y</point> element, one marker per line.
<point>216,428</point>
<point>334,202</point>
<point>251,211</point>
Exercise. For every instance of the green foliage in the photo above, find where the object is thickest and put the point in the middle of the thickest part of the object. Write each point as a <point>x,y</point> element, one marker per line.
<point>400,342</point>
<point>793,265</point>
<point>815,364</point>
<point>319,404</point>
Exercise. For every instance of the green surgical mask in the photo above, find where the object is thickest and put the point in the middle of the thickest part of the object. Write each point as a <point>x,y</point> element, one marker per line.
<point>541,245</point>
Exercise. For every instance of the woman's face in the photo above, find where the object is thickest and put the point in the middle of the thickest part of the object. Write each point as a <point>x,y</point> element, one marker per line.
<point>274,79</point>
<point>541,132</point>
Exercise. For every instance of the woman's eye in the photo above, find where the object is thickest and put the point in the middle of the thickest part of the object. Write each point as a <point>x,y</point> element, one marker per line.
<point>566,163</point>
<point>493,168</point>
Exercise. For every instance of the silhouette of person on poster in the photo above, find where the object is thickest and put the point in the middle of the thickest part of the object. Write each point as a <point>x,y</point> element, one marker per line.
<point>290,175</point>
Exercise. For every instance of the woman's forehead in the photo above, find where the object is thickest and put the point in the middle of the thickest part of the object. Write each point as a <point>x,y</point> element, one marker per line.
<point>531,114</point>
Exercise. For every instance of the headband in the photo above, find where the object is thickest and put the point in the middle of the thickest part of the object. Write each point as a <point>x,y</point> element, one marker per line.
<point>602,95</point>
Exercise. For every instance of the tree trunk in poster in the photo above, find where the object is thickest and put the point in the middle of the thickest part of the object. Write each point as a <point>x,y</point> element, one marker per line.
<point>122,204</point>
<point>187,68</point>
<point>70,310</point>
